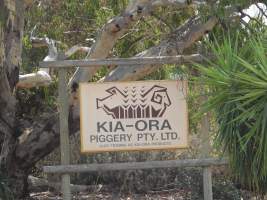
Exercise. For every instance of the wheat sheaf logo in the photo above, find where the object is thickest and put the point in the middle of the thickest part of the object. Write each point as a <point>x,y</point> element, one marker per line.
<point>135,102</point>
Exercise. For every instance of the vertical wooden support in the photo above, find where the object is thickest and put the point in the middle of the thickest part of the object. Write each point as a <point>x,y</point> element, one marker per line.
<point>64,131</point>
<point>207,183</point>
<point>205,151</point>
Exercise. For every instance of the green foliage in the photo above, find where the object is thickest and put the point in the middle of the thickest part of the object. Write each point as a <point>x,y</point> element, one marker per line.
<point>71,21</point>
<point>237,82</point>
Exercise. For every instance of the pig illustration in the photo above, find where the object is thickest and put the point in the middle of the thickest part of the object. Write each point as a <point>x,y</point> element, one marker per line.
<point>113,103</point>
<point>135,102</point>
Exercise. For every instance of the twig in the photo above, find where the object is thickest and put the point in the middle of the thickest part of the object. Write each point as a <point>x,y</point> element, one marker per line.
<point>162,21</point>
<point>75,49</point>
<point>261,10</point>
<point>250,18</point>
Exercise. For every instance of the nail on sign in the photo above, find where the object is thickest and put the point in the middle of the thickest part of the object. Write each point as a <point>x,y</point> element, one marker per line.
<point>142,115</point>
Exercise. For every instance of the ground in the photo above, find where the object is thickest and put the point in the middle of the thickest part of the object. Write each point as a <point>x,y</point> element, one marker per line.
<point>187,185</point>
<point>174,194</point>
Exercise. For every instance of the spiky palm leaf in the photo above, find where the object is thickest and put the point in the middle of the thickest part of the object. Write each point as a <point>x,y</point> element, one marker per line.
<point>237,82</point>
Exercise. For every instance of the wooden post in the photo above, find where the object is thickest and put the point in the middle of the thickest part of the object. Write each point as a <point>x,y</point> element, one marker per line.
<point>64,131</point>
<point>207,183</point>
<point>205,152</point>
<point>80,168</point>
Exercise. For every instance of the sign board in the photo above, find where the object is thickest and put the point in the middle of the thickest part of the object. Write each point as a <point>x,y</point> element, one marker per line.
<point>142,115</point>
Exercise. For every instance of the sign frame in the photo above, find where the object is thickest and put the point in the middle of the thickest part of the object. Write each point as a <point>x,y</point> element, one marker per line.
<point>123,149</point>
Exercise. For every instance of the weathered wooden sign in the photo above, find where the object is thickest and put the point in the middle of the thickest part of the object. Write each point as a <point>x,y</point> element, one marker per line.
<point>141,115</point>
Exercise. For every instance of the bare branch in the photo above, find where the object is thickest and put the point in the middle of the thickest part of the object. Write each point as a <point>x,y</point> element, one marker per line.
<point>75,49</point>
<point>264,12</point>
<point>40,78</point>
<point>181,39</point>
<point>73,32</point>
<point>177,3</point>
<point>41,42</point>
<point>243,15</point>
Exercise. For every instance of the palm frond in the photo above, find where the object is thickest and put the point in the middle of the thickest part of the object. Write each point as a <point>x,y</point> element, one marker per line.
<point>237,82</point>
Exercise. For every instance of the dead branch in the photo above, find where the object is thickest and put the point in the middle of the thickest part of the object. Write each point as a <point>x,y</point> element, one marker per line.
<point>243,15</point>
<point>178,3</point>
<point>75,49</point>
<point>42,76</point>
<point>181,39</point>
<point>263,12</point>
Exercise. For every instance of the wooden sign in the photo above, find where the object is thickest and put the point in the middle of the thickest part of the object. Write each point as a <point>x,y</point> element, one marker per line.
<point>143,115</point>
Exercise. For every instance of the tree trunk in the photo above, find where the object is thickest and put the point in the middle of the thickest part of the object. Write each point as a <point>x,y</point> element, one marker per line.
<point>11,32</point>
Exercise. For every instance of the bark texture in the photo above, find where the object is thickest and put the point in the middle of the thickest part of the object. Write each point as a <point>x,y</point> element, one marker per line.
<point>11,32</point>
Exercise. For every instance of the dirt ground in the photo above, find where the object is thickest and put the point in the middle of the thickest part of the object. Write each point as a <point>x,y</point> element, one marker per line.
<point>180,184</point>
<point>168,195</point>
<point>173,194</point>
